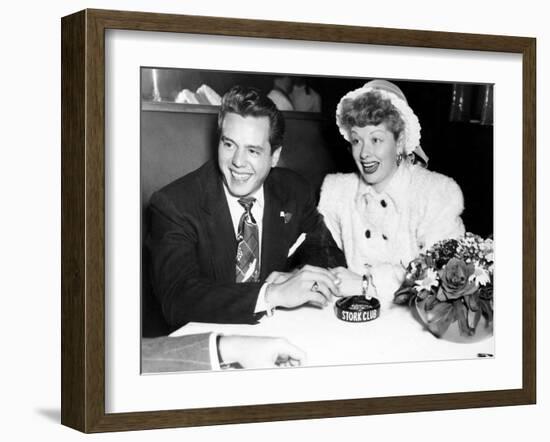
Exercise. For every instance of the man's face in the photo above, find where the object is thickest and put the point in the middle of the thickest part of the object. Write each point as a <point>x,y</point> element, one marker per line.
<point>244,153</point>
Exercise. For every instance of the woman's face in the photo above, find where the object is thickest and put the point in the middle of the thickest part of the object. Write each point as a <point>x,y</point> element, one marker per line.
<point>374,150</point>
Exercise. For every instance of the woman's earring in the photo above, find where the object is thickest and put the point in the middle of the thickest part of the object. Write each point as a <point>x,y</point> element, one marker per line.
<point>399,158</point>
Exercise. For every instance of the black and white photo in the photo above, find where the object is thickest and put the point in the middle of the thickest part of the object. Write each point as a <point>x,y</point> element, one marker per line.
<point>297,220</point>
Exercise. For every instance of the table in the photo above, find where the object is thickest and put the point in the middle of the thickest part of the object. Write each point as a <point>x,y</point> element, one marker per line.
<point>396,336</point>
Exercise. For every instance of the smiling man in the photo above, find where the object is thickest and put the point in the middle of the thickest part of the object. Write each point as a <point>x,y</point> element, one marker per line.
<point>245,156</point>
<point>221,236</point>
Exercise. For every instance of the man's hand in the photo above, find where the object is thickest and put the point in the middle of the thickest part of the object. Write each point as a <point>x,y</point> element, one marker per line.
<point>278,277</point>
<point>259,352</point>
<point>310,284</point>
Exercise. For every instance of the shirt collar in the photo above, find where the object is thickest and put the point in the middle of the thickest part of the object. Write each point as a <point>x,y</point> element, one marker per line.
<point>234,200</point>
<point>393,191</point>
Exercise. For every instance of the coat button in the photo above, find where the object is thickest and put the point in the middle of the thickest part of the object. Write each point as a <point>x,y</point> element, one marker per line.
<point>385,237</point>
<point>383,203</point>
<point>367,233</point>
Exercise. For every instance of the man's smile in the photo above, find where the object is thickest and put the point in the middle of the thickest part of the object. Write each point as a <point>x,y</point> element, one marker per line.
<point>240,176</point>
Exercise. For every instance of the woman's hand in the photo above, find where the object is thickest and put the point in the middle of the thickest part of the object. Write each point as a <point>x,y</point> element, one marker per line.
<point>350,282</point>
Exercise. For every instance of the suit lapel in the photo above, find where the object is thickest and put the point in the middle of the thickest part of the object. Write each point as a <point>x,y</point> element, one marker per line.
<point>219,227</point>
<point>274,246</point>
<point>222,234</point>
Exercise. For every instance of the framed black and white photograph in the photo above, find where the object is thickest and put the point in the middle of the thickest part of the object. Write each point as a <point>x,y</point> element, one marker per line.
<point>282,221</point>
<point>379,231</point>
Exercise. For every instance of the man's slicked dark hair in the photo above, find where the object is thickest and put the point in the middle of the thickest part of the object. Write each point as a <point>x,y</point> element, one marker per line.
<point>249,101</point>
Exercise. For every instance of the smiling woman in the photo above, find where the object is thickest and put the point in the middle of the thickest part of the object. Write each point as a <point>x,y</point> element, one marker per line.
<point>393,208</point>
<point>374,149</point>
<point>375,134</point>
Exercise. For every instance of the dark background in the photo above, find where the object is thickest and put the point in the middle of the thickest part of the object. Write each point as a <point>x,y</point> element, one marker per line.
<point>457,135</point>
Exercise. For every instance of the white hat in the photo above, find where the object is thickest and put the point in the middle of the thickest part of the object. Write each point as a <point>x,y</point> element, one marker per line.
<point>411,140</point>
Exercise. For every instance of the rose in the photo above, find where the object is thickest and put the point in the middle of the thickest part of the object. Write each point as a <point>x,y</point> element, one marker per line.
<point>455,280</point>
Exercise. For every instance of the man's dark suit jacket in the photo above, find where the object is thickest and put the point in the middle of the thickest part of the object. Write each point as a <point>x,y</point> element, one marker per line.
<point>193,246</point>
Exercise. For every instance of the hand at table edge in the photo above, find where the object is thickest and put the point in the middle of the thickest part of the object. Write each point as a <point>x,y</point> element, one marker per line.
<point>259,352</point>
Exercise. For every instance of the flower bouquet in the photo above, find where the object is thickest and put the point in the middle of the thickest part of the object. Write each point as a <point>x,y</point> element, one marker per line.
<point>451,285</point>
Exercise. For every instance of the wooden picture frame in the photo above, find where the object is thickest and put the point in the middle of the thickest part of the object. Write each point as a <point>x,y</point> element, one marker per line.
<point>83,220</point>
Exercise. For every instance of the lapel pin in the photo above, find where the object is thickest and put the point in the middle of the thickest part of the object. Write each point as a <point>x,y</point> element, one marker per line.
<point>287,216</point>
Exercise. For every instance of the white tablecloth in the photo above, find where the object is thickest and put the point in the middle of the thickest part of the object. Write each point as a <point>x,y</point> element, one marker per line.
<point>396,336</point>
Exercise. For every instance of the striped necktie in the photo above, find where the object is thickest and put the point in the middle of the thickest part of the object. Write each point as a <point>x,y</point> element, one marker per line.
<point>247,268</point>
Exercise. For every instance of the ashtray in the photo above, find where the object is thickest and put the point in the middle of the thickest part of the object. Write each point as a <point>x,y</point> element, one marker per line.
<point>357,309</point>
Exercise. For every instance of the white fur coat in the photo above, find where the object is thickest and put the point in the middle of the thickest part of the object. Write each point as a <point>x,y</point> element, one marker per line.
<point>387,230</point>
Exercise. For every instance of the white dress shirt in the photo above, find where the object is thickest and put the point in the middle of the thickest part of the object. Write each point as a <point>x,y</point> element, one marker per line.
<point>257,210</point>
